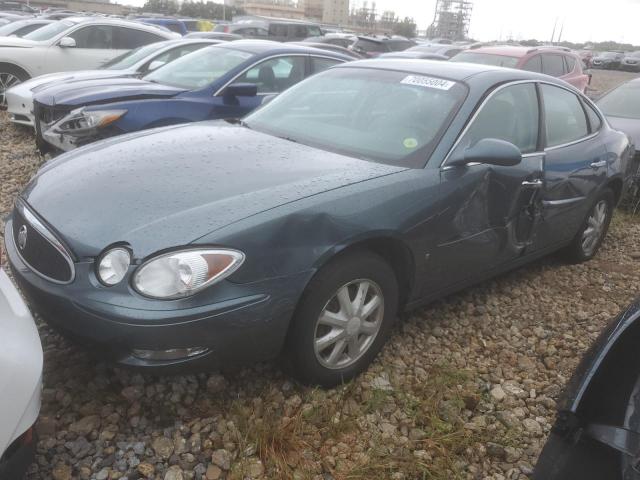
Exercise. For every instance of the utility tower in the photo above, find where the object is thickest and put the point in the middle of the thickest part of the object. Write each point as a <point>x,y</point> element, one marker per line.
<point>451,19</point>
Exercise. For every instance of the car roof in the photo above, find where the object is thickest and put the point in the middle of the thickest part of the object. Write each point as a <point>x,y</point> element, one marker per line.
<point>270,47</point>
<point>457,71</point>
<point>383,39</point>
<point>514,50</point>
<point>115,21</point>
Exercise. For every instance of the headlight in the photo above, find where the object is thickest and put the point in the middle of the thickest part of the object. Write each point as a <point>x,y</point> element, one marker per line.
<point>81,121</point>
<point>113,266</point>
<point>183,273</point>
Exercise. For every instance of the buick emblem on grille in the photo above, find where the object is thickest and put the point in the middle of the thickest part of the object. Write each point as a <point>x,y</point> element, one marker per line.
<point>22,237</point>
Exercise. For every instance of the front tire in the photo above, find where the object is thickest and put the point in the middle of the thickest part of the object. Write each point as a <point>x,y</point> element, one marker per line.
<point>593,230</point>
<point>343,319</point>
<point>10,76</point>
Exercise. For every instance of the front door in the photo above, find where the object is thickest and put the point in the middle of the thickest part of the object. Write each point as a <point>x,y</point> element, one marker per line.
<point>95,45</point>
<point>489,213</point>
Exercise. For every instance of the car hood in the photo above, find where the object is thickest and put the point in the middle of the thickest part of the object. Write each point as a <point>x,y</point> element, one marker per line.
<point>103,90</point>
<point>629,126</point>
<point>170,186</point>
<point>17,42</point>
<point>41,82</point>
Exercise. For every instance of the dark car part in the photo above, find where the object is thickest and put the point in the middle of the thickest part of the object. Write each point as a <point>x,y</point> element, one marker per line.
<point>597,432</point>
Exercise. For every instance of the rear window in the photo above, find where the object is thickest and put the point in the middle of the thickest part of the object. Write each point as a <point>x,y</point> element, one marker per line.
<point>369,46</point>
<point>486,59</point>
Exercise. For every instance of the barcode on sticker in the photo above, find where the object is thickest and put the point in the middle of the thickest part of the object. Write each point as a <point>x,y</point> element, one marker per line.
<point>428,82</point>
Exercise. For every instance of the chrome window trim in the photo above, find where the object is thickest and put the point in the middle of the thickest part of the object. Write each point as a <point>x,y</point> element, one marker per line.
<point>221,89</point>
<point>568,88</point>
<point>49,237</point>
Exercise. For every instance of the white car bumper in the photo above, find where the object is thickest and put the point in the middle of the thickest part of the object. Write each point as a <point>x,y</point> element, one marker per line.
<point>20,105</point>
<point>20,365</point>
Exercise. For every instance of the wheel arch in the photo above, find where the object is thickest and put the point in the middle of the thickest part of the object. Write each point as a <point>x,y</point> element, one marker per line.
<point>615,184</point>
<point>17,67</point>
<point>388,246</point>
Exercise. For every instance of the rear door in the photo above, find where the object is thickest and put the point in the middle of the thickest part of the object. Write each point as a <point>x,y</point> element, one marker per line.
<point>490,213</point>
<point>575,165</point>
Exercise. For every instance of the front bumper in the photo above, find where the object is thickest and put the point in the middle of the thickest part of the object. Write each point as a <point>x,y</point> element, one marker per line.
<point>20,379</point>
<point>20,106</point>
<point>236,324</point>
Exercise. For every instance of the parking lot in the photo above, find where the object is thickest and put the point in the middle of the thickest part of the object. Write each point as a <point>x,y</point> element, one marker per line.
<point>466,388</point>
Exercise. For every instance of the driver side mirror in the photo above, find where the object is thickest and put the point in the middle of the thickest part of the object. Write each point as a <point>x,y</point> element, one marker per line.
<point>490,151</point>
<point>235,90</point>
<point>267,98</point>
<point>67,42</point>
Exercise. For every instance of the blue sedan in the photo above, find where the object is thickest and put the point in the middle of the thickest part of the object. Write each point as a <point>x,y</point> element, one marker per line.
<point>225,81</point>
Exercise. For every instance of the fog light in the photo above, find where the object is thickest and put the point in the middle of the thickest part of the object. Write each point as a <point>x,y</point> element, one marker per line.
<point>169,354</point>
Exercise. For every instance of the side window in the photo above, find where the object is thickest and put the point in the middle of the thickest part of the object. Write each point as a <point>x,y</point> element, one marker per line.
<point>510,115</point>
<point>299,31</point>
<point>130,38</point>
<point>94,36</point>
<point>552,65</point>
<point>278,30</point>
<point>571,63</point>
<point>319,64</point>
<point>534,64</point>
<point>565,119</point>
<point>594,118</point>
<point>275,75</point>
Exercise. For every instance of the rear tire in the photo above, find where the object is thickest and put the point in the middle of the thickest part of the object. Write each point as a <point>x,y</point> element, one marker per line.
<point>337,329</point>
<point>10,76</point>
<point>593,230</point>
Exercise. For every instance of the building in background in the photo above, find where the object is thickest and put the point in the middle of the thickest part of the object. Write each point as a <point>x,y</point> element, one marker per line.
<point>334,12</point>
<point>451,19</point>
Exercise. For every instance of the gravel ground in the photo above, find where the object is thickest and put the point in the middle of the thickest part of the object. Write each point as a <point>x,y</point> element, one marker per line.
<point>466,388</point>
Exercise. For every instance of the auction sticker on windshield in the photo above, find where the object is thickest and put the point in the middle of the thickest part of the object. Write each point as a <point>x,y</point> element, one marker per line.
<point>429,82</point>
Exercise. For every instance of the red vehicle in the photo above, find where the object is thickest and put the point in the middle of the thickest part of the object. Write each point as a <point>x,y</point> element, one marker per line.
<point>554,61</point>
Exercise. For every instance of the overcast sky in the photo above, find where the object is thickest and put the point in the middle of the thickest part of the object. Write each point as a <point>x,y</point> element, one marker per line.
<point>584,20</point>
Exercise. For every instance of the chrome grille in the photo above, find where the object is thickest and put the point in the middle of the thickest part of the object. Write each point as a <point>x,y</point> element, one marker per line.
<point>43,253</point>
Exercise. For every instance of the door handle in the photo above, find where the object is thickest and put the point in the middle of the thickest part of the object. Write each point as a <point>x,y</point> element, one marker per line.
<point>537,183</point>
<point>601,163</point>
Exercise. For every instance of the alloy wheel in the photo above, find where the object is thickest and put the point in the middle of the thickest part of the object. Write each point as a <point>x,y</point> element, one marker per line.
<point>596,224</point>
<point>7,80</point>
<point>349,324</point>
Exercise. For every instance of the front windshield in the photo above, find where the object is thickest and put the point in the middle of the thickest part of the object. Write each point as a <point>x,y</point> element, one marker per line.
<point>200,68</point>
<point>486,59</point>
<point>608,55</point>
<point>380,115</point>
<point>49,31</point>
<point>131,57</point>
<point>623,102</point>
<point>634,54</point>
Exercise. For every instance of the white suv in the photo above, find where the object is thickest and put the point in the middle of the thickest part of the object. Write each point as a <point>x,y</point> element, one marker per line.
<point>71,44</point>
